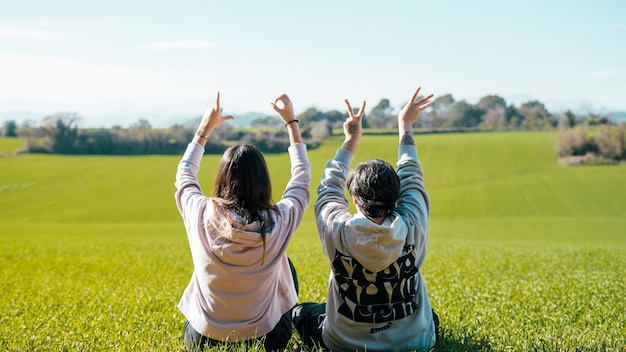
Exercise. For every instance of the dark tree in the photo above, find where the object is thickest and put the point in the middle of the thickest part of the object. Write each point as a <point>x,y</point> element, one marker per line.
<point>492,110</point>
<point>62,130</point>
<point>10,129</point>
<point>378,116</point>
<point>439,110</point>
<point>462,114</point>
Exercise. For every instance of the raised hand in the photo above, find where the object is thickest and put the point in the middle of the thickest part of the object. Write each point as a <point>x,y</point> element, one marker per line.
<point>212,118</point>
<point>286,111</point>
<point>283,106</point>
<point>413,108</point>
<point>409,115</point>
<point>353,127</point>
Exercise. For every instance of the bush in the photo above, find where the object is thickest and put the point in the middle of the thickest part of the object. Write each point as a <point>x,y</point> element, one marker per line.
<point>609,143</point>
<point>573,141</point>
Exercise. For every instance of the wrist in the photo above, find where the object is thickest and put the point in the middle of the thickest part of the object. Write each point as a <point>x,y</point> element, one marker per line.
<point>406,138</point>
<point>405,126</point>
<point>352,139</point>
<point>350,144</point>
<point>291,122</point>
<point>405,123</point>
<point>202,134</point>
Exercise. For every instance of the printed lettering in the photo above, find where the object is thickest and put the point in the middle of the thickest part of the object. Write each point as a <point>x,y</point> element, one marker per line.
<point>384,327</point>
<point>376,297</point>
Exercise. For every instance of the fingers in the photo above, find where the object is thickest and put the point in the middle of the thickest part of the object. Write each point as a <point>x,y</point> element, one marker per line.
<point>421,102</point>
<point>424,102</point>
<point>351,112</point>
<point>362,109</point>
<point>283,98</point>
<point>415,95</point>
<point>426,98</point>
<point>216,112</point>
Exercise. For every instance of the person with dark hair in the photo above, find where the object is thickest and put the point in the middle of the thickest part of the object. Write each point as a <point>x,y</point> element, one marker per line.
<point>377,299</point>
<point>243,286</point>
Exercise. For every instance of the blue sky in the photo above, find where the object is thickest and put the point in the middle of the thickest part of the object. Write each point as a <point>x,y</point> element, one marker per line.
<point>114,62</point>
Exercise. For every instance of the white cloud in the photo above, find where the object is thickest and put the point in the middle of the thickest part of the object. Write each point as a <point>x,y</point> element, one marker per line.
<point>50,68</point>
<point>183,44</point>
<point>56,79</point>
<point>30,34</point>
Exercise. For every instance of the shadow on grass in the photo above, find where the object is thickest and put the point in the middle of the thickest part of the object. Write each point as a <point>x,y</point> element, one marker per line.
<point>449,343</point>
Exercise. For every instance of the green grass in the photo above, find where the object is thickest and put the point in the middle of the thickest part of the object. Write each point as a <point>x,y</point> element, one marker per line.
<point>10,145</point>
<point>524,254</point>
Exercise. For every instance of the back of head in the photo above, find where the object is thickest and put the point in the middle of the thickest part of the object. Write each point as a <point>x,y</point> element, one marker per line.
<point>242,182</point>
<point>376,187</point>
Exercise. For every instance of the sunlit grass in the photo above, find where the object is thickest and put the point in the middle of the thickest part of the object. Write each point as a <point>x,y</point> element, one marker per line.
<point>524,254</point>
<point>10,145</point>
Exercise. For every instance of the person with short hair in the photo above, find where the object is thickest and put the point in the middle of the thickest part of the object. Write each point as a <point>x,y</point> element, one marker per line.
<point>377,299</point>
<point>243,286</point>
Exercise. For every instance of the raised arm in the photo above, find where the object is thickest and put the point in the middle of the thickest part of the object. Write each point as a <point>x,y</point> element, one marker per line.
<point>409,115</point>
<point>210,120</point>
<point>285,110</point>
<point>352,128</point>
<point>188,193</point>
<point>414,202</point>
<point>296,197</point>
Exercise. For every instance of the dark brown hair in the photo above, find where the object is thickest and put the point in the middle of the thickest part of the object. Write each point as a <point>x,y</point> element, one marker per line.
<point>376,187</point>
<point>242,185</point>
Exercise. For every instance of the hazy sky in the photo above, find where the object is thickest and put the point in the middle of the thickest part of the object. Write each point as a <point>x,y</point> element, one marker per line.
<point>114,61</point>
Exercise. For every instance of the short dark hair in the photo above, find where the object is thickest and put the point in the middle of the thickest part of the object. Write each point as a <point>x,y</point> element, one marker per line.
<point>376,187</point>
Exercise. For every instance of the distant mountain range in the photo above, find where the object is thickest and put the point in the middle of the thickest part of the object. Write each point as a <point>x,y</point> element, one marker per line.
<point>127,113</point>
<point>158,120</point>
<point>619,116</point>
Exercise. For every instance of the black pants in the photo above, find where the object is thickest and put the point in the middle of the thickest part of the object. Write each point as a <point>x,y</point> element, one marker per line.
<point>275,340</point>
<point>308,319</point>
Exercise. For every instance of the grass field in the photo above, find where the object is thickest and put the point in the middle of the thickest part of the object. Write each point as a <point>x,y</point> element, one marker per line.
<point>524,254</point>
<point>9,145</point>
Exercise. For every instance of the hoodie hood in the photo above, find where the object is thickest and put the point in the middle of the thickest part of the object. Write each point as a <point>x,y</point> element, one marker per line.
<point>236,243</point>
<point>375,246</point>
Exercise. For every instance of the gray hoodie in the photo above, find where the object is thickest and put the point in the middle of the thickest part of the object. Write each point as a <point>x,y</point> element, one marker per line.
<point>377,300</point>
<point>230,294</point>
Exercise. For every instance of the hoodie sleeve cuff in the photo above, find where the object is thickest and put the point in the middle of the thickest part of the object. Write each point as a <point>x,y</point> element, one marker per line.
<point>193,153</point>
<point>344,156</point>
<point>407,151</point>
<point>297,152</point>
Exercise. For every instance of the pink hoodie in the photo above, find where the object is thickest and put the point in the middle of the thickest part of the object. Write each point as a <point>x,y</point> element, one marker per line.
<point>231,296</point>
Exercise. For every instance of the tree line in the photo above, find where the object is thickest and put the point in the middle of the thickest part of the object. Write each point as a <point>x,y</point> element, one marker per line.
<point>59,133</point>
